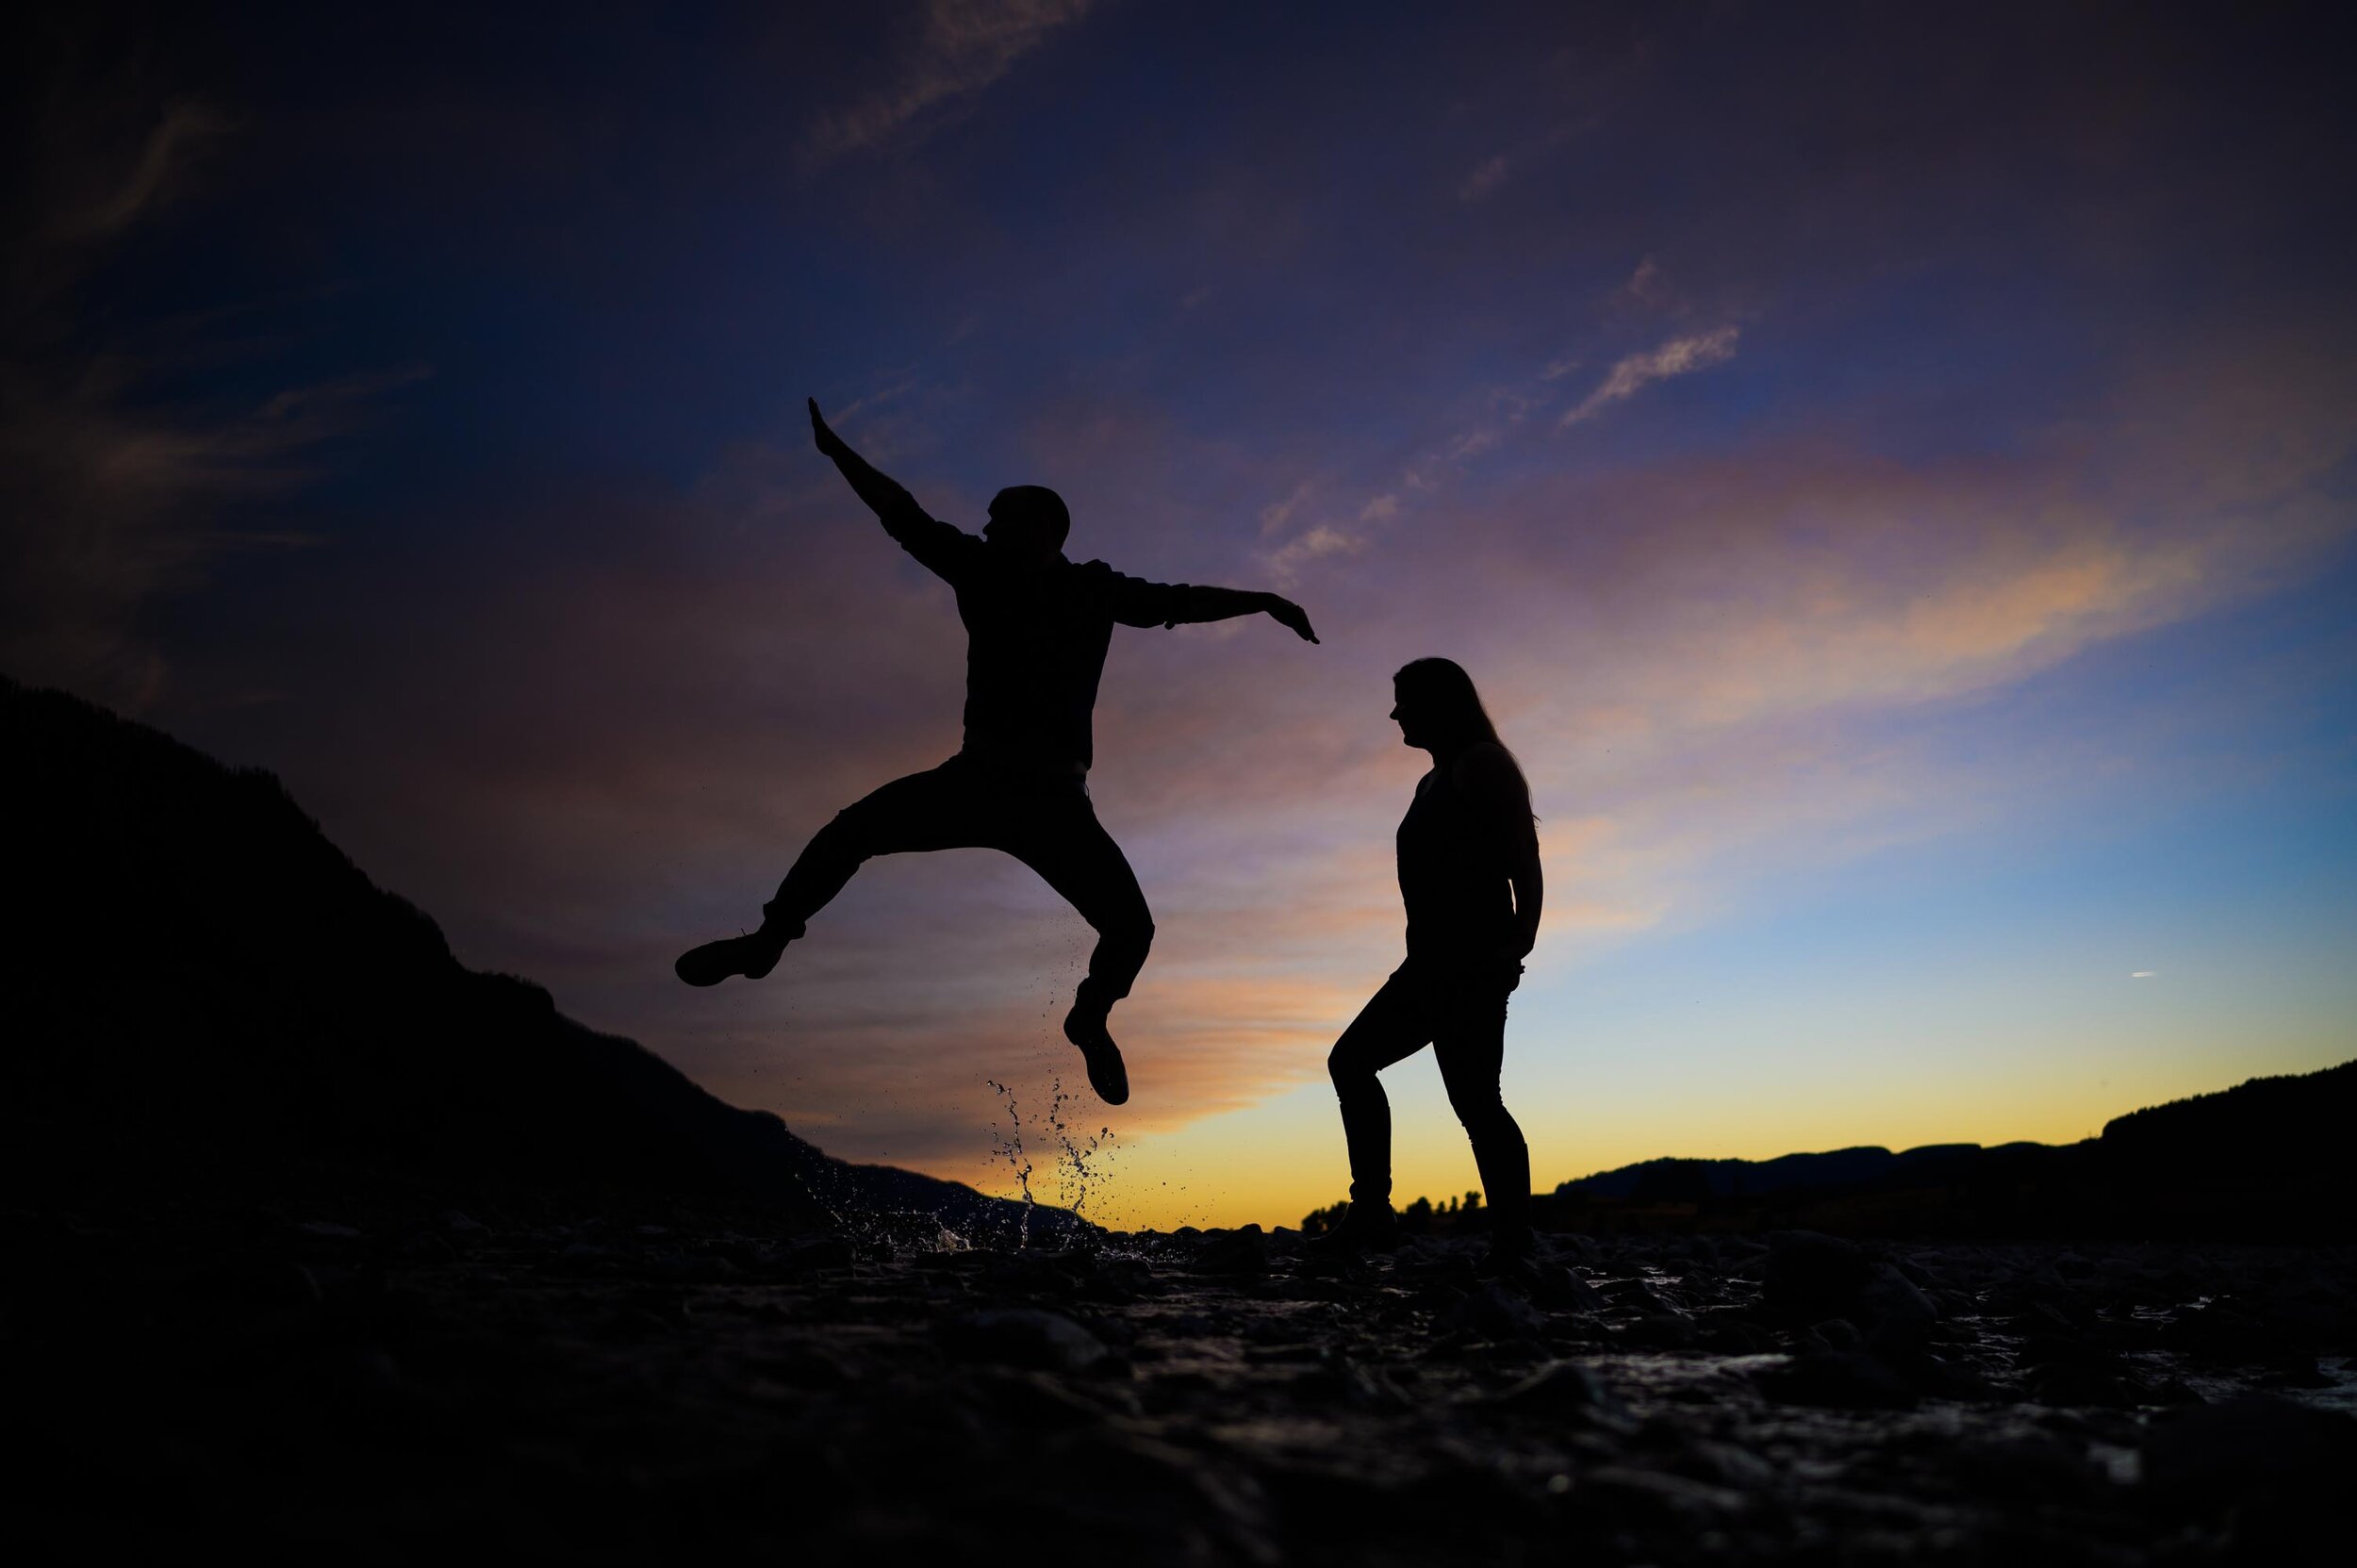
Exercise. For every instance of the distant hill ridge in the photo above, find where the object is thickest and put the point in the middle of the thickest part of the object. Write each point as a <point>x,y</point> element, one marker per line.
<point>2267,1157</point>
<point>2266,1120</point>
<point>203,984</point>
<point>1760,1178</point>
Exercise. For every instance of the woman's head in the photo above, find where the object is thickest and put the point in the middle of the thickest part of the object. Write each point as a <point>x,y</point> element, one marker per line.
<point>1437,707</point>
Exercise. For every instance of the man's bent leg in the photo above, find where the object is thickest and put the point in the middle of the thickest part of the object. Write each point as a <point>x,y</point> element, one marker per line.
<point>1063,842</point>
<point>1075,855</point>
<point>935,810</point>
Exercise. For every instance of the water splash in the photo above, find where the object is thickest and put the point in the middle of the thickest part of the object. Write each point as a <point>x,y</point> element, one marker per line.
<point>1010,1148</point>
<point>1084,1161</point>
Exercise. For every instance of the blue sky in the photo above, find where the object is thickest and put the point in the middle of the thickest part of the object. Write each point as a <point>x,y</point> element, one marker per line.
<point>1890,475</point>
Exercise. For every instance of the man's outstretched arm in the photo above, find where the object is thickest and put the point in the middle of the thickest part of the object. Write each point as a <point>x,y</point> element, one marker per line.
<point>932,542</point>
<point>1180,603</point>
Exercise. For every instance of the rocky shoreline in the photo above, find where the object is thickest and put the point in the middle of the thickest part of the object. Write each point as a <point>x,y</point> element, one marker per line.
<point>606,1386</point>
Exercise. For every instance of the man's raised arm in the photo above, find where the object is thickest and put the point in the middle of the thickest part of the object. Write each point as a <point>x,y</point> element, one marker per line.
<point>934,543</point>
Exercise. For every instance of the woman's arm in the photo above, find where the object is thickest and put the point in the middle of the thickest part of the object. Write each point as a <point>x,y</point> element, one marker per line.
<point>1487,777</point>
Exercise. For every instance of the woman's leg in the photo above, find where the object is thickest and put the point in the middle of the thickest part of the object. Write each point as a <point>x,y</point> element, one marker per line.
<point>1470,1045</point>
<point>1391,1028</point>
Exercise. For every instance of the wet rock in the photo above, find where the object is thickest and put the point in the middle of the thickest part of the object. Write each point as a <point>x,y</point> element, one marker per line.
<point>1559,1289</point>
<point>1118,1281</point>
<point>1639,1296</point>
<point>1894,1313</point>
<point>1809,1277</point>
<point>913,1405</point>
<point>1653,1498</point>
<point>2031,1467</point>
<point>1492,1311</point>
<point>1942,1378</point>
<point>804,1366</point>
<point>1341,1380</point>
<point>2084,1383</point>
<point>242,1308</point>
<point>816,1252</point>
<point>1836,1334</point>
<point>1025,1337</point>
<point>1242,1251</point>
<point>461,1231</point>
<point>1837,1381</point>
<point>1565,1391</point>
<point>1662,1332</point>
<point>1733,1335</point>
<point>2256,1447</point>
<point>427,1248</point>
<point>1036,1401</point>
<point>1721,1464</point>
<point>324,1240</point>
<point>2295,1371</point>
<point>1572,1245</point>
<point>1033,1274</point>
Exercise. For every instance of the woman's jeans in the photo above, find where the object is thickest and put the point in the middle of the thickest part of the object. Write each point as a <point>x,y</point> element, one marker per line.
<point>1460,1011</point>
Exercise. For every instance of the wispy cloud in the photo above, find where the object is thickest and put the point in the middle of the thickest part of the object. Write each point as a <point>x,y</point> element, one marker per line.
<point>1278,513</point>
<point>1483,180</point>
<point>163,153</point>
<point>963,47</point>
<point>1312,544</point>
<point>1678,356</point>
<point>1649,288</point>
<point>111,500</point>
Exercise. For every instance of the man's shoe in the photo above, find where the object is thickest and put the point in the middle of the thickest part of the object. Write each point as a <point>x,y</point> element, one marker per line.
<point>1084,1026</point>
<point>753,955</point>
<point>1361,1228</point>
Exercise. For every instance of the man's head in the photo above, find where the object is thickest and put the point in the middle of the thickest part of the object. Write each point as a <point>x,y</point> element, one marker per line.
<point>1028,519</point>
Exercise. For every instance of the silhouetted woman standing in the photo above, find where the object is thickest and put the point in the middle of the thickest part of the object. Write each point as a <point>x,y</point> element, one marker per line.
<point>1469,875</point>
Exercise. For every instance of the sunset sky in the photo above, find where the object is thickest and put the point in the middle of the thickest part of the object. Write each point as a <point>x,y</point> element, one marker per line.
<point>1889,472</point>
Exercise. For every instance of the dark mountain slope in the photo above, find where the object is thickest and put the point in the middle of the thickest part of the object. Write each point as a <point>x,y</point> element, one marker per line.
<point>201,985</point>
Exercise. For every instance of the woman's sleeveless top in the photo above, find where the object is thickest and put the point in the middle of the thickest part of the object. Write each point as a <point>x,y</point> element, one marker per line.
<point>1452,875</point>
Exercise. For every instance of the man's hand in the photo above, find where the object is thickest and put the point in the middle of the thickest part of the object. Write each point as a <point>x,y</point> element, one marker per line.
<point>1286,613</point>
<point>829,444</point>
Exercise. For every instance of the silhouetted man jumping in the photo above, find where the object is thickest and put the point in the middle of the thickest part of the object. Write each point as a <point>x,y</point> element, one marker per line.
<point>1037,627</point>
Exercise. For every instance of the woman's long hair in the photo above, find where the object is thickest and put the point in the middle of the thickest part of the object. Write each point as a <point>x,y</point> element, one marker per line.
<point>1456,706</point>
